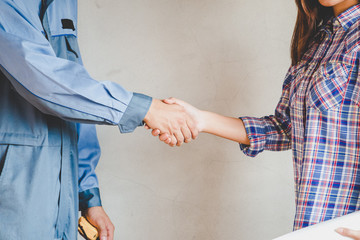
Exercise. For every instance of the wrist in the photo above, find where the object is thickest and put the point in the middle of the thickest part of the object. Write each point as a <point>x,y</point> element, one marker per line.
<point>204,121</point>
<point>148,115</point>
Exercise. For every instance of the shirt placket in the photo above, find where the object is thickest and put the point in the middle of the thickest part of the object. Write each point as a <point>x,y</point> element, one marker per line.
<point>299,115</point>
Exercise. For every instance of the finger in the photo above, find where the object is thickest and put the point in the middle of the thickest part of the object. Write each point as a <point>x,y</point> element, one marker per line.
<point>146,127</point>
<point>168,141</point>
<point>194,132</point>
<point>164,136</point>
<point>169,100</point>
<point>349,233</point>
<point>173,100</point>
<point>179,138</point>
<point>193,129</point>
<point>103,237</point>
<point>111,230</point>
<point>173,141</point>
<point>155,132</point>
<point>103,233</point>
<point>186,133</point>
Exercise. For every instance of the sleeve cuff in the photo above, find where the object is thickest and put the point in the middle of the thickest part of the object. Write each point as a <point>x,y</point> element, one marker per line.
<point>89,198</point>
<point>135,113</point>
<point>256,132</point>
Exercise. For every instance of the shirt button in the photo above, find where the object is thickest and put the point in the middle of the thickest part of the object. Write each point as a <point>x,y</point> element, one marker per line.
<point>336,25</point>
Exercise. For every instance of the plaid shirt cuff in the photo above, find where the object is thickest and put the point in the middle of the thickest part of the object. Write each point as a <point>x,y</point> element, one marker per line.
<point>256,132</point>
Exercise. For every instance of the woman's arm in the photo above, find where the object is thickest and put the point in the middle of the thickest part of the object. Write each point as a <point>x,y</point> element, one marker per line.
<point>225,127</point>
<point>255,135</point>
<point>209,122</point>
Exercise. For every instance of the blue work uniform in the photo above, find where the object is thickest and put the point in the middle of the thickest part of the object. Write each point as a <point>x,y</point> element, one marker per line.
<point>48,105</point>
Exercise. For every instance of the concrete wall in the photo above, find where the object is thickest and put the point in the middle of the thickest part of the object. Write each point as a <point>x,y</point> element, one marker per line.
<point>226,56</point>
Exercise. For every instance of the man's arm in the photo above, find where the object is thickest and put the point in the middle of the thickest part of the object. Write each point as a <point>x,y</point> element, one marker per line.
<point>89,155</point>
<point>89,194</point>
<point>63,88</point>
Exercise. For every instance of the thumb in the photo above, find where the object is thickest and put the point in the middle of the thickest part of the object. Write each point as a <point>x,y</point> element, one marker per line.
<point>169,100</point>
<point>176,101</point>
<point>348,233</point>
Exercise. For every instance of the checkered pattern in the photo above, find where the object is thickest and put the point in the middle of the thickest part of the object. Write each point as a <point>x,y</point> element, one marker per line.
<point>318,117</point>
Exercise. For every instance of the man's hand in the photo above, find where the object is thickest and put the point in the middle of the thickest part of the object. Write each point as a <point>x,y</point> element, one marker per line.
<point>99,219</point>
<point>354,234</point>
<point>172,121</point>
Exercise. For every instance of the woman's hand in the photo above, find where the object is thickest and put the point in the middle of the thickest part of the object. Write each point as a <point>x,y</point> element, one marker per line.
<point>100,220</point>
<point>354,234</point>
<point>191,110</point>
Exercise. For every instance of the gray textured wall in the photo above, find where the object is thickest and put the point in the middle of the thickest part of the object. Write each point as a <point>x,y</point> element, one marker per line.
<point>227,56</point>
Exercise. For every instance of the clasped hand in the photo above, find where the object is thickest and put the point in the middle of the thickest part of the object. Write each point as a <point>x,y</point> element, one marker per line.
<point>174,121</point>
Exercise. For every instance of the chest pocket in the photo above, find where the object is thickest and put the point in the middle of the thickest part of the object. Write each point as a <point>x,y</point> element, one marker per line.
<point>60,24</point>
<point>329,87</point>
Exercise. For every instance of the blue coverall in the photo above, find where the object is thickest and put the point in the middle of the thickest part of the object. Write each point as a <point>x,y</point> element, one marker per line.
<point>48,105</point>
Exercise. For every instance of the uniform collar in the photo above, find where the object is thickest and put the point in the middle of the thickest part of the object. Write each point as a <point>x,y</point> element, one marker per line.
<point>347,18</point>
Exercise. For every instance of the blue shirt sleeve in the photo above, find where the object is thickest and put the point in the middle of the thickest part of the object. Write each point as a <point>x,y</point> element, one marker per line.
<point>89,155</point>
<point>58,86</point>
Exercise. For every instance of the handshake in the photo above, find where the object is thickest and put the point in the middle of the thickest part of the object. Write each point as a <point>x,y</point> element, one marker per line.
<point>174,121</point>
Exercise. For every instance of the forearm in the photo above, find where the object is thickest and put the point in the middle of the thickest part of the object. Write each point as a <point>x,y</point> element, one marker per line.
<point>225,127</point>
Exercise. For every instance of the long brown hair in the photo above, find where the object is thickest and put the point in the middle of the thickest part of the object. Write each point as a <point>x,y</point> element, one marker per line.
<point>311,15</point>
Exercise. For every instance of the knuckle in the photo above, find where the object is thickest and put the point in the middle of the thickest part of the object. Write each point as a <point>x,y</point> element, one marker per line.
<point>181,109</point>
<point>181,121</point>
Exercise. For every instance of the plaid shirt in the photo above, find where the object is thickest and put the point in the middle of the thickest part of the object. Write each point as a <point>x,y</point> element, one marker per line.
<point>318,117</point>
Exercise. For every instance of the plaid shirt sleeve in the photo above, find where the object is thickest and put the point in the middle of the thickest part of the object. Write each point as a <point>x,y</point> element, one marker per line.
<point>270,132</point>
